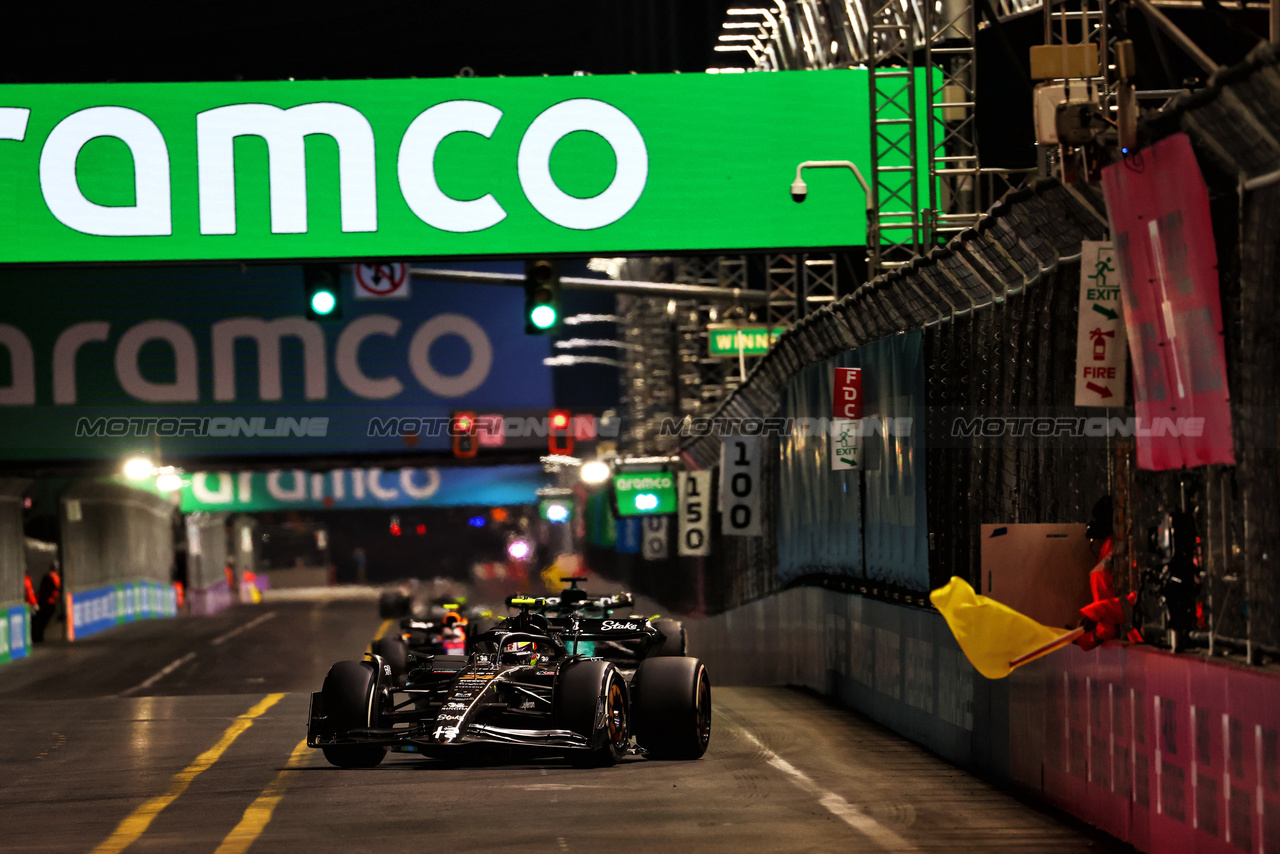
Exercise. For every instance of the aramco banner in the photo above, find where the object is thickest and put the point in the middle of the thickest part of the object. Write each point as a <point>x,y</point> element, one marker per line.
<point>223,361</point>
<point>441,167</point>
<point>344,489</point>
<point>1172,308</point>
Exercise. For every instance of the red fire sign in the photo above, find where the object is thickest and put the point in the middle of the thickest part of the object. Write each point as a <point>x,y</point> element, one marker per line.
<point>847,396</point>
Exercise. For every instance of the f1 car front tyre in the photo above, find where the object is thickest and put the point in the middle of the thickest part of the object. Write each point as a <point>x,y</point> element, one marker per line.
<point>350,702</point>
<point>672,707</point>
<point>395,652</point>
<point>585,688</point>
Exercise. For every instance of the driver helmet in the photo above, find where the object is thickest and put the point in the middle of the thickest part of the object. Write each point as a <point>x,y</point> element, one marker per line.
<point>521,652</point>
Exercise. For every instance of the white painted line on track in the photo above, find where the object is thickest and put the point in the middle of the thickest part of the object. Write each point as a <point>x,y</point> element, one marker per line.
<point>835,804</point>
<point>168,668</point>
<point>552,787</point>
<point>238,629</point>
<point>322,594</point>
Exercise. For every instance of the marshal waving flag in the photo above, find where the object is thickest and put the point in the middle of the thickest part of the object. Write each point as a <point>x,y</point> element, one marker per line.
<point>994,637</point>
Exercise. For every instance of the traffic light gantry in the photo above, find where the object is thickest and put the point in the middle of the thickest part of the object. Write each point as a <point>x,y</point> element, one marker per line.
<point>541,297</point>
<point>323,300</point>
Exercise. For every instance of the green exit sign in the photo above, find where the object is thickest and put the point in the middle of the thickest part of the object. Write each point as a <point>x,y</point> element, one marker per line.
<point>645,493</point>
<point>727,340</point>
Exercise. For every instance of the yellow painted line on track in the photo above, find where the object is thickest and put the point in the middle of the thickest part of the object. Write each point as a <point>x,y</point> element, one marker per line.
<point>259,813</point>
<point>136,824</point>
<point>382,630</point>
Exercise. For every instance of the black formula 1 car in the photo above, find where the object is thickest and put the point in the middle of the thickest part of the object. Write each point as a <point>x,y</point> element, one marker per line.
<point>524,687</point>
<point>418,598</point>
<point>443,631</point>
<point>666,638</point>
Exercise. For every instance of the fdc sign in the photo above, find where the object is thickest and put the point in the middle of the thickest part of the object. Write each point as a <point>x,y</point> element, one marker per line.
<point>407,168</point>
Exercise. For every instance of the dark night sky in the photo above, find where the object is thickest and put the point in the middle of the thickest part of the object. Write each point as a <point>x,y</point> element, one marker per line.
<point>129,42</point>
<point>236,39</point>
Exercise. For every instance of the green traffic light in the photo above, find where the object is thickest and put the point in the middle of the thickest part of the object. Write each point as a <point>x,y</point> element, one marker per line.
<point>543,316</point>
<point>323,302</point>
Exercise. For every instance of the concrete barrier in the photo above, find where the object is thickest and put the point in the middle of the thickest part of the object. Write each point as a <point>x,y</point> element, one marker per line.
<point>1171,753</point>
<point>209,600</point>
<point>95,610</point>
<point>15,633</point>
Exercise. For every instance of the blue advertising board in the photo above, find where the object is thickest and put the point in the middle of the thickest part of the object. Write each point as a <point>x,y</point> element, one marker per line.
<point>224,361</point>
<point>363,488</point>
<point>101,608</point>
<point>628,542</point>
<point>92,611</point>
<point>15,634</point>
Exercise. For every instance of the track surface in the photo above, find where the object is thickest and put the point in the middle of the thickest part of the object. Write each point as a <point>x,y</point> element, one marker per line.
<point>94,747</point>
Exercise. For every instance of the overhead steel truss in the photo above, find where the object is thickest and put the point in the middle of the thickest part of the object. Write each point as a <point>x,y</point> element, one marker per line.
<point>895,150</point>
<point>956,197</point>
<point>782,282</point>
<point>1084,22</point>
<point>927,181</point>
<point>703,380</point>
<point>799,283</point>
<point>649,393</point>
<point>789,35</point>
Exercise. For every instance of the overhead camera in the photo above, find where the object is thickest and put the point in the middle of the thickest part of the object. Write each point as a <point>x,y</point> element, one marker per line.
<point>799,189</point>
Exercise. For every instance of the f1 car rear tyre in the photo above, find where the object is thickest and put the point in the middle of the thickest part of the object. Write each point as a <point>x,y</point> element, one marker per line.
<point>350,702</point>
<point>582,688</point>
<point>673,642</point>
<point>672,707</point>
<point>396,653</point>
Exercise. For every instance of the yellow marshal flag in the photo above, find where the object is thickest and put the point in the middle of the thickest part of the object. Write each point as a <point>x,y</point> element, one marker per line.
<point>994,637</point>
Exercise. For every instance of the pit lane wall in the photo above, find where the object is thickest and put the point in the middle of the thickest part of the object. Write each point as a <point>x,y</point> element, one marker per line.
<point>207,558</point>
<point>15,633</point>
<point>117,556</point>
<point>1170,753</point>
<point>15,627</point>
<point>102,608</point>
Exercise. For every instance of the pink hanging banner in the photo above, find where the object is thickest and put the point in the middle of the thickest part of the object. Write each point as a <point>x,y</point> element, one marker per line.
<point>1159,209</point>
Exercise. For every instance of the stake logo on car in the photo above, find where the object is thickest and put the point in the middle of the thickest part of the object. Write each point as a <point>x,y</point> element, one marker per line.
<point>615,626</point>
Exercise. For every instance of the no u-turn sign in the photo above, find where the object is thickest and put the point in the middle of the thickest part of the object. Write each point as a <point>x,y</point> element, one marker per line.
<point>382,281</point>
